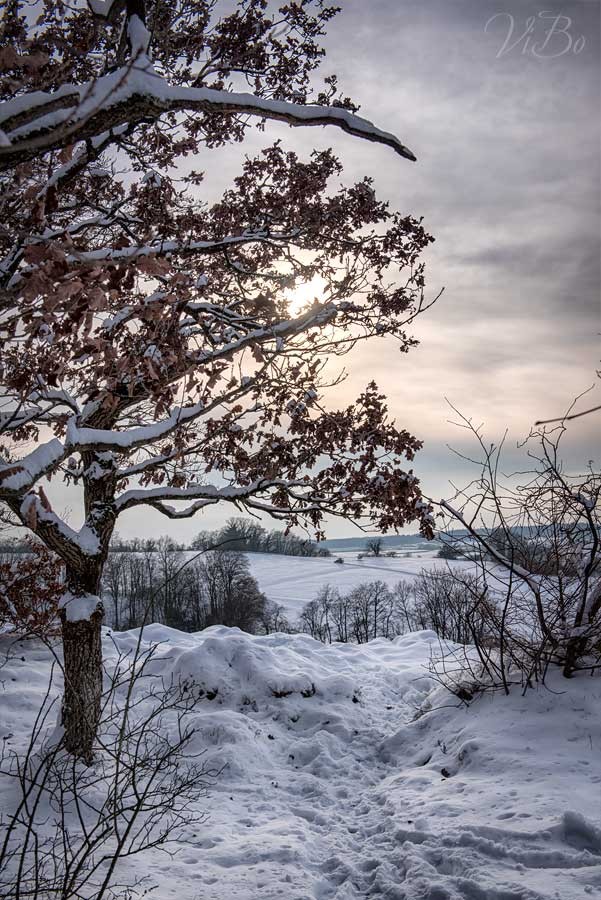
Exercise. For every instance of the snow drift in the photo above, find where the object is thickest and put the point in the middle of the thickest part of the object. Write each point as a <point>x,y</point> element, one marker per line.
<point>347,772</point>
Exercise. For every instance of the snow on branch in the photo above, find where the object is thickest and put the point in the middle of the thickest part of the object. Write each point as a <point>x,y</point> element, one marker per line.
<point>105,439</point>
<point>206,493</point>
<point>34,512</point>
<point>17,477</point>
<point>38,121</point>
<point>172,513</point>
<point>79,606</point>
<point>115,255</point>
<point>317,316</point>
<point>54,395</point>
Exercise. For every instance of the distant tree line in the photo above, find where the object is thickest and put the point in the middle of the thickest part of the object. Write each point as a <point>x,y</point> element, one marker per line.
<point>454,606</point>
<point>160,583</point>
<point>247,535</point>
<point>240,534</point>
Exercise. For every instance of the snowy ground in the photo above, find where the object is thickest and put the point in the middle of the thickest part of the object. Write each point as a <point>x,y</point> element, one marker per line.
<point>366,780</point>
<point>293,581</point>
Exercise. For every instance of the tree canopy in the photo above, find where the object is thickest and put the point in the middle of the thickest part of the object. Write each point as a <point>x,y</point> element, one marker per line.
<point>151,350</point>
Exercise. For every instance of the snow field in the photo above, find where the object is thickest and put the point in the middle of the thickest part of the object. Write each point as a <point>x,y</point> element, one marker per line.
<point>293,581</point>
<point>347,772</point>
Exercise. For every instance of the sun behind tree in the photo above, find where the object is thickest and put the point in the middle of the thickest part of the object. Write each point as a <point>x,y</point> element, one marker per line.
<point>153,333</point>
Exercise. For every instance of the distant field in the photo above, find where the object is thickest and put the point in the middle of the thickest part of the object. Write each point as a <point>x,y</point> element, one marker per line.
<point>292,581</point>
<point>396,542</point>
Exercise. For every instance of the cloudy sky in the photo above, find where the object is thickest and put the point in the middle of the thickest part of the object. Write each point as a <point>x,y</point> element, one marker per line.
<point>500,101</point>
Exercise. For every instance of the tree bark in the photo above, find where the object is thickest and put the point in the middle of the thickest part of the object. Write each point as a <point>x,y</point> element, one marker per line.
<point>82,654</point>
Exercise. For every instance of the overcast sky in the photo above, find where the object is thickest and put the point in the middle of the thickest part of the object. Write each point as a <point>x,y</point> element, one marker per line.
<point>504,118</point>
<point>506,129</point>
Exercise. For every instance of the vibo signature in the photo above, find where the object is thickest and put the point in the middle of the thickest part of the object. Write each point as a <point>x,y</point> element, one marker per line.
<point>545,35</point>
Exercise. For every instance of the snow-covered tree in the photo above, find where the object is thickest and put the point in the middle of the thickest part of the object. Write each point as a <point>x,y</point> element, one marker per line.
<point>150,350</point>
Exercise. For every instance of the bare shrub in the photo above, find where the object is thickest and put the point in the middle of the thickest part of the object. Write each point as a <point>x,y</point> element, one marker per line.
<point>374,546</point>
<point>453,604</point>
<point>535,538</point>
<point>371,611</point>
<point>448,551</point>
<point>69,825</point>
<point>317,617</point>
<point>273,618</point>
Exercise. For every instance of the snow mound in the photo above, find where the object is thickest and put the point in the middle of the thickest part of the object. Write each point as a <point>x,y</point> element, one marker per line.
<point>280,699</point>
<point>234,668</point>
<point>346,772</point>
<point>237,669</point>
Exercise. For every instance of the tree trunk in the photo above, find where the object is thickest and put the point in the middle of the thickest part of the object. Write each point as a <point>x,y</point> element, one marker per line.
<point>82,649</point>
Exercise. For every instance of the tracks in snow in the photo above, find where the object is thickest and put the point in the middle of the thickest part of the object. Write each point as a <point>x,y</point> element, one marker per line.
<point>363,841</point>
<point>324,798</point>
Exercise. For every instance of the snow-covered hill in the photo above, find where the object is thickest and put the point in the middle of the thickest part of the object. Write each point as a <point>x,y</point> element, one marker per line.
<point>347,772</point>
<point>292,581</point>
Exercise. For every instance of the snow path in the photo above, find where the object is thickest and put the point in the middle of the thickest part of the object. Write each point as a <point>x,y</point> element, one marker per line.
<point>331,799</point>
<point>301,819</point>
<point>348,773</point>
<point>324,831</point>
<point>329,812</point>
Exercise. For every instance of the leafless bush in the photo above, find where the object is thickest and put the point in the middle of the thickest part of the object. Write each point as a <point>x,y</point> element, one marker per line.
<point>273,618</point>
<point>316,618</point>
<point>535,538</point>
<point>70,825</point>
<point>454,604</point>
<point>371,612</point>
<point>374,546</point>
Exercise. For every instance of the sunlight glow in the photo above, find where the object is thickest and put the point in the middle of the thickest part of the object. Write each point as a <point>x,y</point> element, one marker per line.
<point>303,295</point>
